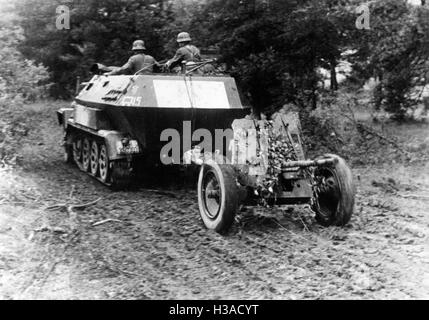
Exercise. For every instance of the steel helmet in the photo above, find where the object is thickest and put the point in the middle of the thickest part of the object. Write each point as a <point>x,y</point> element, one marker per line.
<point>138,45</point>
<point>183,36</point>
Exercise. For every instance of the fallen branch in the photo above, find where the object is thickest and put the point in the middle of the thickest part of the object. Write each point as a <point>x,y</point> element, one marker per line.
<point>106,221</point>
<point>30,197</point>
<point>51,229</point>
<point>13,202</point>
<point>69,208</point>
<point>413,196</point>
<point>304,224</point>
<point>128,273</point>
<point>56,206</point>
<point>291,232</point>
<point>84,205</point>
<point>72,206</point>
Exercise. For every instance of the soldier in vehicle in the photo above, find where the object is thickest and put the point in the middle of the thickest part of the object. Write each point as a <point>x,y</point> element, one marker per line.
<point>137,62</point>
<point>187,52</point>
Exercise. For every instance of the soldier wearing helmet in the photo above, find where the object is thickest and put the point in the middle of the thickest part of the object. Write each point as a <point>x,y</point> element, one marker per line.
<point>139,61</point>
<point>187,52</point>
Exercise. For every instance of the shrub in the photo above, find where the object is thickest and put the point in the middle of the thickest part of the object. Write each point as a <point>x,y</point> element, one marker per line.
<point>20,78</point>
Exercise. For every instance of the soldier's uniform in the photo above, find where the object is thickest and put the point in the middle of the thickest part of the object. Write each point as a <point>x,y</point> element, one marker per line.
<point>137,61</point>
<point>187,52</point>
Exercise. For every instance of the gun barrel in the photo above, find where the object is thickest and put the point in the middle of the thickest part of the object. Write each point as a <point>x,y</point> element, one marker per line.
<point>309,163</point>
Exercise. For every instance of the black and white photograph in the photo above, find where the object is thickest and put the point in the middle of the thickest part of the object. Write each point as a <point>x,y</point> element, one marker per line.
<point>214,150</point>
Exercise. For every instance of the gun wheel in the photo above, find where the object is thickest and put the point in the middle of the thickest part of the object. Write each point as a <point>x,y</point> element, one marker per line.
<point>334,194</point>
<point>218,197</point>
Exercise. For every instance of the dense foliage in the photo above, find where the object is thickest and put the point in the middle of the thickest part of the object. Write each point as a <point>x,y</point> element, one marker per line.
<point>275,48</point>
<point>20,78</point>
<point>100,31</point>
<point>397,53</point>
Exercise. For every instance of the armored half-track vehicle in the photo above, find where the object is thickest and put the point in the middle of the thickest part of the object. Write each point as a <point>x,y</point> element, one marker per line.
<point>117,123</point>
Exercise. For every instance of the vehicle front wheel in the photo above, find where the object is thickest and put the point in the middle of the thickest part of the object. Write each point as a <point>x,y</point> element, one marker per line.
<point>334,193</point>
<point>218,196</point>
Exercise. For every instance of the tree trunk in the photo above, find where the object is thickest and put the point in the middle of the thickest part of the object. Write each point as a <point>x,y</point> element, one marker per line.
<point>334,83</point>
<point>314,99</point>
<point>378,92</point>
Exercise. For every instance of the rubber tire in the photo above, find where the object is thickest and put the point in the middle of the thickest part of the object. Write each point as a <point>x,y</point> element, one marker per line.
<point>347,188</point>
<point>226,178</point>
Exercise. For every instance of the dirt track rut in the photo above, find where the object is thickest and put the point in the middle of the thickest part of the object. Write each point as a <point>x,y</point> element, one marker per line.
<point>157,248</point>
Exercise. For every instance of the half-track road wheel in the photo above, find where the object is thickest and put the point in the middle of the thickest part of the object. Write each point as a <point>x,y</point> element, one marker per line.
<point>94,158</point>
<point>77,150</point>
<point>104,164</point>
<point>218,196</point>
<point>91,154</point>
<point>334,193</point>
<point>86,154</point>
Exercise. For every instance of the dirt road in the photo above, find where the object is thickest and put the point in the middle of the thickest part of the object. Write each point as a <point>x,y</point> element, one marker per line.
<point>155,247</point>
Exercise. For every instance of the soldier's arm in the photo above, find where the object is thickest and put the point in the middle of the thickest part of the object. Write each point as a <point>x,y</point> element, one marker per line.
<point>154,62</point>
<point>177,59</point>
<point>157,66</point>
<point>126,68</point>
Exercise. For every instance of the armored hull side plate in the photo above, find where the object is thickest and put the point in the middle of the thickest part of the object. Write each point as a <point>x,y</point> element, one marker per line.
<point>191,94</point>
<point>161,91</point>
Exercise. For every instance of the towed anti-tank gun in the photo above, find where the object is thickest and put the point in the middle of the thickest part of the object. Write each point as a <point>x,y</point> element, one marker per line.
<point>116,124</point>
